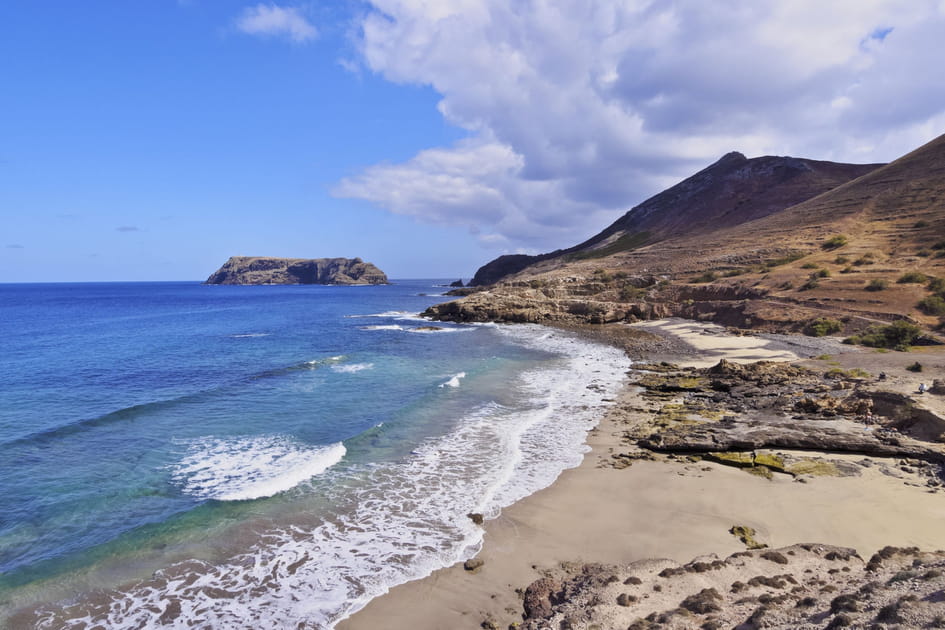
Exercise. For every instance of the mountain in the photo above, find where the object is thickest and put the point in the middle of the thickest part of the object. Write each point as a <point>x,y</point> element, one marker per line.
<point>262,270</point>
<point>721,247</point>
<point>730,192</point>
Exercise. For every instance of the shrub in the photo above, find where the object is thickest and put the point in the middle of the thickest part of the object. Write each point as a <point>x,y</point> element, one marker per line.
<point>923,253</point>
<point>821,273</point>
<point>783,260</point>
<point>876,284</point>
<point>865,259</point>
<point>912,277</point>
<point>932,305</point>
<point>899,335</point>
<point>708,276</point>
<point>841,260</point>
<point>809,265</point>
<point>847,269</point>
<point>631,293</point>
<point>809,285</point>
<point>937,285</point>
<point>921,224</point>
<point>939,245</point>
<point>915,367</point>
<point>731,273</point>
<point>822,326</point>
<point>834,242</point>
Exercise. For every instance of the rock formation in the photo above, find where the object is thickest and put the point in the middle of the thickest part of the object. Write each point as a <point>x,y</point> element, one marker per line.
<point>262,270</point>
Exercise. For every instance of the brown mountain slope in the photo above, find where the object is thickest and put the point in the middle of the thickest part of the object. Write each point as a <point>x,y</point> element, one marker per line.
<point>857,252</point>
<point>727,193</point>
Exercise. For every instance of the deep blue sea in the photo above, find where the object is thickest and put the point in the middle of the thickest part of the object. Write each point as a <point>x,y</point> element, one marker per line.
<point>182,455</point>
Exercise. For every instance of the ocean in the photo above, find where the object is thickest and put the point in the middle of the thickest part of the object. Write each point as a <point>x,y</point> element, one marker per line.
<point>180,455</point>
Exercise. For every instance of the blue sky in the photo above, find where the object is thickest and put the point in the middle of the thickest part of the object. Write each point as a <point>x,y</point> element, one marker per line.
<point>150,140</point>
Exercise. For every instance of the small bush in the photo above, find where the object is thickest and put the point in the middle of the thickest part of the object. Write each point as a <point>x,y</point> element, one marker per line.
<point>834,242</point>
<point>822,326</point>
<point>923,253</point>
<point>876,284</point>
<point>708,276</point>
<point>809,285</point>
<point>841,260</point>
<point>915,367</point>
<point>939,245</point>
<point>629,293</point>
<point>865,259</point>
<point>847,269</point>
<point>932,305</point>
<point>809,265</point>
<point>921,224</point>
<point>937,285</point>
<point>731,273</point>
<point>899,335</point>
<point>822,273</point>
<point>912,277</point>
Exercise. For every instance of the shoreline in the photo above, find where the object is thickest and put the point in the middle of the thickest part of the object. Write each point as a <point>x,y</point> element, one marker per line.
<point>671,509</point>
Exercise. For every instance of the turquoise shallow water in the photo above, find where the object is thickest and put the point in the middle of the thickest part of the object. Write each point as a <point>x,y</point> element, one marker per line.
<point>243,456</point>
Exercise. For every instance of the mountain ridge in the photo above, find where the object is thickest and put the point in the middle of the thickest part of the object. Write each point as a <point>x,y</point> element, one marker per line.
<point>732,190</point>
<point>868,251</point>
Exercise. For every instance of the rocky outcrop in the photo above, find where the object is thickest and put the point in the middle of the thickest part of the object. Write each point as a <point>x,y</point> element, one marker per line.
<point>734,408</point>
<point>262,270</point>
<point>801,586</point>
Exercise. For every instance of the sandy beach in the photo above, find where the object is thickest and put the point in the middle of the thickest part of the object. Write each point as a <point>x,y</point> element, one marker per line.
<point>670,508</point>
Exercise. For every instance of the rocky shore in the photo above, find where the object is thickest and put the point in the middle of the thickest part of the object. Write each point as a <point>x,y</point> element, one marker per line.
<point>741,481</point>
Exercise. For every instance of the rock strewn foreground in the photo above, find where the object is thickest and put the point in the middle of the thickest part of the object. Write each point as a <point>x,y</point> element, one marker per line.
<point>263,270</point>
<point>801,586</point>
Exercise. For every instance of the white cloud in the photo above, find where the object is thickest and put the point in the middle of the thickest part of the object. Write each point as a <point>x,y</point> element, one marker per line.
<point>578,110</point>
<point>270,20</point>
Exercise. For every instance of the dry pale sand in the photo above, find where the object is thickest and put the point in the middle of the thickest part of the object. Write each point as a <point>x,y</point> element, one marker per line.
<point>674,510</point>
<point>712,342</point>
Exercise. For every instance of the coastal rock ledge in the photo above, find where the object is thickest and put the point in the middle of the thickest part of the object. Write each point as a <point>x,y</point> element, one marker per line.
<point>264,270</point>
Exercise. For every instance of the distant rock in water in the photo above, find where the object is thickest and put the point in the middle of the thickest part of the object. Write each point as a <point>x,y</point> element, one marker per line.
<point>263,270</point>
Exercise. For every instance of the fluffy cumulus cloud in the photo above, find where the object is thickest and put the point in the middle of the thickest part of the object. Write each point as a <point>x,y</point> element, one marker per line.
<point>578,110</point>
<point>270,20</point>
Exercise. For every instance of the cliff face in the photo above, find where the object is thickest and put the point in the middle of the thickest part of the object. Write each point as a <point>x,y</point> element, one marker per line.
<point>263,270</point>
<point>730,192</point>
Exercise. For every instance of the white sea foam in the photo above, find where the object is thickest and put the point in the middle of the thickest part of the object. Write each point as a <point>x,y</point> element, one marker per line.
<point>405,315</point>
<point>454,380</point>
<point>439,329</point>
<point>383,327</point>
<point>315,363</point>
<point>350,368</point>
<point>234,469</point>
<point>396,521</point>
<point>249,335</point>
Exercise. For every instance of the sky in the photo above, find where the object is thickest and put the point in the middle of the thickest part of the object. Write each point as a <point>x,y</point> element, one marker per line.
<point>151,140</point>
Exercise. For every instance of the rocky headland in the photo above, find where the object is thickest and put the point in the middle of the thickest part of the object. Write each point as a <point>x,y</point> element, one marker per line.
<point>263,270</point>
<point>769,244</point>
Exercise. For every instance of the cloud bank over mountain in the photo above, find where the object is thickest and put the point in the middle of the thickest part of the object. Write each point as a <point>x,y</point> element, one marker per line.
<point>576,111</point>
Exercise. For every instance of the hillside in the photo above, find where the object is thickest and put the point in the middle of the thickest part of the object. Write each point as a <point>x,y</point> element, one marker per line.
<point>864,251</point>
<point>263,270</point>
<point>730,192</point>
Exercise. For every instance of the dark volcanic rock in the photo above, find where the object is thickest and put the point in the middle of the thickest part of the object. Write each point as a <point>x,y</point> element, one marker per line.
<point>538,598</point>
<point>262,270</point>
